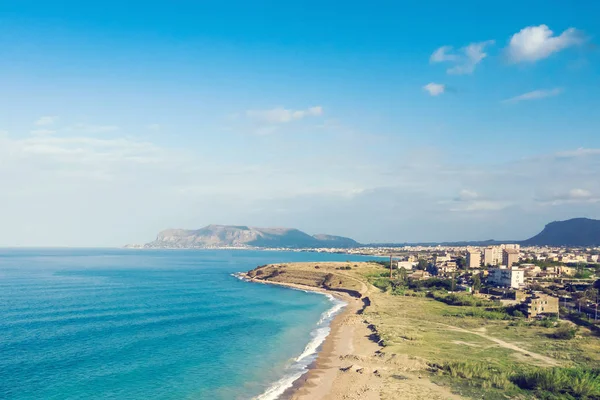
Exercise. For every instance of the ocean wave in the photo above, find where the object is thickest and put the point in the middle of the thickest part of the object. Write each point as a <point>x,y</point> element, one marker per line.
<point>300,364</point>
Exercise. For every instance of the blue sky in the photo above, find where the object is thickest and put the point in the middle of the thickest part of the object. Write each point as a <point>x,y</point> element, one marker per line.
<point>382,121</point>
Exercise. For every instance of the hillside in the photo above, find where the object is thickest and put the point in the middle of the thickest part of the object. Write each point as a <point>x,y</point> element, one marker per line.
<point>245,236</point>
<point>572,232</point>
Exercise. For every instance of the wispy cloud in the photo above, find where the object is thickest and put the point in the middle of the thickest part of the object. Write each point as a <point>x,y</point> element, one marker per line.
<point>41,132</point>
<point>90,128</point>
<point>154,127</point>
<point>280,115</point>
<point>535,95</point>
<point>465,60</point>
<point>443,54</point>
<point>46,120</point>
<point>470,201</point>
<point>572,196</point>
<point>535,43</point>
<point>434,89</point>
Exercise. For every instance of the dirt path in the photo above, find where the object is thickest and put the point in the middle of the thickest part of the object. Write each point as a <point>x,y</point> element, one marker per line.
<point>544,359</point>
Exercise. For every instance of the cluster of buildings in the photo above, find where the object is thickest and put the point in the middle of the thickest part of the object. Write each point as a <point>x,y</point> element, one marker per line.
<point>508,271</point>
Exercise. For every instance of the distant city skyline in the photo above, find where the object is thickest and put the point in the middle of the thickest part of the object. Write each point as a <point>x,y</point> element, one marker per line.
<point>382,122</point>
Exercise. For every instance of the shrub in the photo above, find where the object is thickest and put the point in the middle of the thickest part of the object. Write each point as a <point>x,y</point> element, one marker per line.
<point>382,283</point>
<point>548,322</point>
<point>565,332</point>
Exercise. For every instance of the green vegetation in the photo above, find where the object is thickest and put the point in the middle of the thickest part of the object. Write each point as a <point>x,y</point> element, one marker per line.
<point>560,383</point>
<point>472,340</point>
<point>565,332</point>
<point>422,264</point>
<point>544,383</point>
<point>460,299</point>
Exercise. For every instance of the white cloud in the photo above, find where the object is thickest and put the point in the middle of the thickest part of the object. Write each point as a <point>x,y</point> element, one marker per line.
<point>469,200</point>
<point>481,205</point>
<point>41,132</point>
<point>46,120</point>
<point>443,54</point>
<point>55,188</point>
<point>80,129</point>
<point>154,127</point>
<point>535,95</point>
<point>579,194</point>
<point>280,115</point>
<point>434,89</point>
<point>572,196</point>
<point>465,60</point>
<point>466,194</point>
<point>97,128</point>
<point>534,43</point>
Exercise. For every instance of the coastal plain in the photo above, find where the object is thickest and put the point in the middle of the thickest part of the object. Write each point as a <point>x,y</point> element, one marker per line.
<point>386,346</point>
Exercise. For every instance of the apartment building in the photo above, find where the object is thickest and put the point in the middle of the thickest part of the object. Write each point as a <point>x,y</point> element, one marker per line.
<point>510,257</point>
<point>506,277</point>
<point>492,255</point>
<point>473,259</point>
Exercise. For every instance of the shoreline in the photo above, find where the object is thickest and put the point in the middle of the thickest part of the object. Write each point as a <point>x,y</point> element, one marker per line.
<point>306,385</point>
<point>351,362</point>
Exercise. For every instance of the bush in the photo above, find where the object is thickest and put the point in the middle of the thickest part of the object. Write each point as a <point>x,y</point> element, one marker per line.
<point>456,299</point>
<point>382,283</point>
<point>548,322</point>
<point>565,332</point>
<point>518,314</point>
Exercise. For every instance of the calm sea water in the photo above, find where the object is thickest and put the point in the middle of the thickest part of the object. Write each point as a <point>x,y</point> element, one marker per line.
<point>149,324</point>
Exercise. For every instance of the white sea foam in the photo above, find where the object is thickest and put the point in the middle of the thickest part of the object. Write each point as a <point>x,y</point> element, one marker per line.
<point>240,276</point>
<point>300,364</point>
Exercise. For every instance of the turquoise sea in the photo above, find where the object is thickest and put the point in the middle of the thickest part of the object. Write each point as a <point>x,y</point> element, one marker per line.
<point>153,324</point>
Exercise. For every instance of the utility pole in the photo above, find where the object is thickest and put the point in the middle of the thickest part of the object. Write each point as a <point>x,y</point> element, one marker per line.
<point>390,267</point>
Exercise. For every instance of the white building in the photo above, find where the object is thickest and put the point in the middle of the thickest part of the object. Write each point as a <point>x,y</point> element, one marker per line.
<point>506,277</point>
<point>407,265</point>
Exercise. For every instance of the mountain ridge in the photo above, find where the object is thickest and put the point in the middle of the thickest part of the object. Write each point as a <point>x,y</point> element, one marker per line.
<point>245,236</point>
<point>578,232</point>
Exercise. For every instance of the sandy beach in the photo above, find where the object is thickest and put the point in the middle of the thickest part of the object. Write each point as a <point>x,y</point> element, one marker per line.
<point>352,365</point>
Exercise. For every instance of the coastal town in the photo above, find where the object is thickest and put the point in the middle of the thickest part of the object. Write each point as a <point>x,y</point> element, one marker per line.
<point>528,276</point>
<point>491,322</point>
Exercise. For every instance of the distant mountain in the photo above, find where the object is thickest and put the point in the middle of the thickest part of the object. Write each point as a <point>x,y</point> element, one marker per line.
<point>577,232</point>
<point>245,236</point>
<point>336,241</point>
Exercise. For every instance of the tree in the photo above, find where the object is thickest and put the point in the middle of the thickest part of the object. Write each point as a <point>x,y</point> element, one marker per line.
<point>596,284</point>
<point>402,275</point>
<point>422,264</point>
<point>476,282</point>
<point>591,294</point>
<point>461,263</point>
